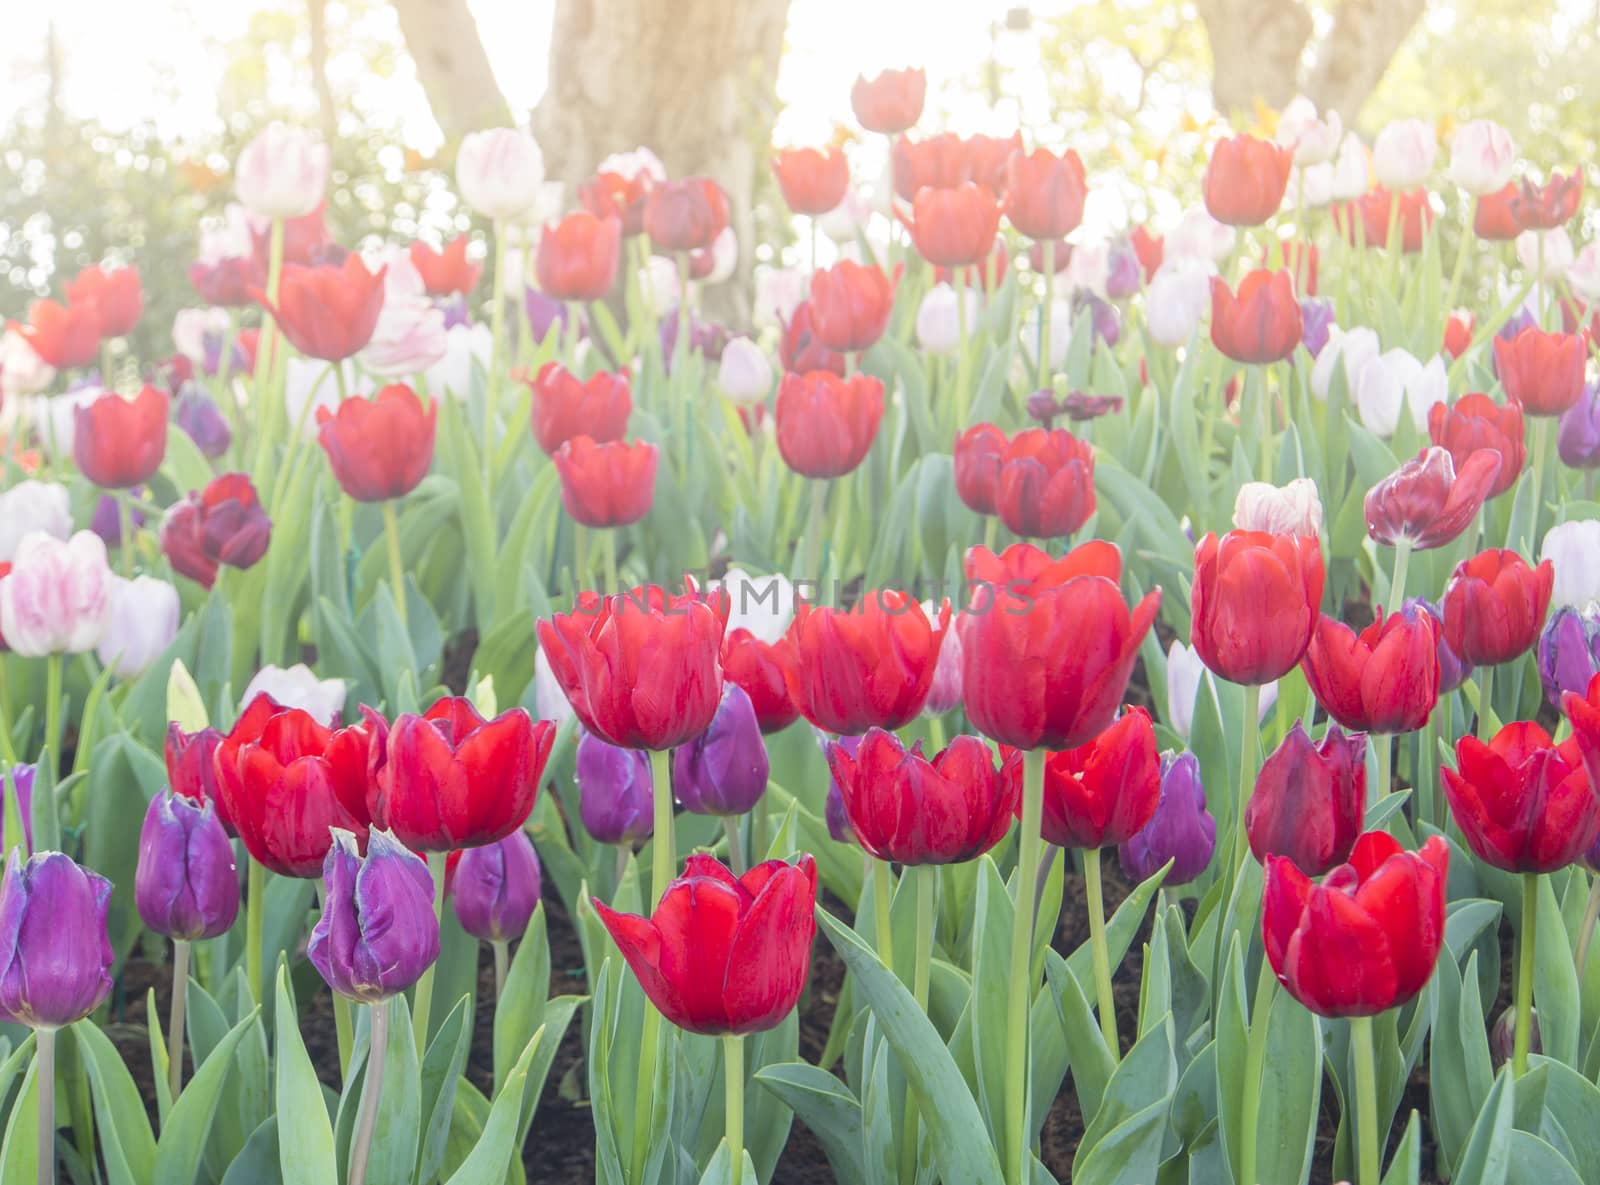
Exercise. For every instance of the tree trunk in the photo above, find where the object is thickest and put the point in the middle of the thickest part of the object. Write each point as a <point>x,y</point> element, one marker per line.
<point>327,113</point>
<point>452,66</point>
<point>1358,49</point>
<point>1255,51</point>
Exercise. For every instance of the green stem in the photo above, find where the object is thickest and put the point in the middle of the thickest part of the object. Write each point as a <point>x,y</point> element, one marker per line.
<point>422,1004</point>
<point>958,400</point>
<point>733,1099</point>
<point>1526,942</point>
<point>1460,269</point>
<point>608,554</point>
<point>266,352</point>
<point>502,960</point>
<point>1368,1152</point>
<point>1264,412</point>
<point>882,894</point>
<point>44,1061</point>
<point>1485,704</point>
<point>1538,446</point>
<point>180,993</point>
<point>663,852</point>
<point>927,882</point>
<point>1042,375</point>
<point>344,1034</point>
<point>52,707</point>
<point>1019,994</point>
<point>1384,751</point>
<point>1102,960</point>
<point>814,520</point>
<point>397,571</point>
<point>644,1094</point>
<point>1397,583</point>
<point>497,351</point>
<point>254,922</point>
<point>1586,931</point>
<point>1255,1058</point>
<point>1249,738</point>
<point>730,828</point>
<point>125,531</point>
<point>371,1090</point>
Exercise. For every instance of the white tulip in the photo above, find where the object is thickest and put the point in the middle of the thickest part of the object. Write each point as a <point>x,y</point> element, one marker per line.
<point>297,687</point>
<point>29,506</point>
<point>1351,346</point>
<point>1573,548</point>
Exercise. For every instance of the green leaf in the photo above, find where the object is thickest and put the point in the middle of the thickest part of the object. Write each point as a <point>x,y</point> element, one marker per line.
<point>126,1142</point>
<point>441,1071</point>
<point>396,1136</point>
<point>1555,981</point>
<point>827,1108</point>
<point>520,1009</point>
<point>1535,1162</point>
<point>491,1157</point>
<point>257,1162</point>
<point>19,1154</point>
<point>1089,1057</point>
<point>305,1135</point>
<point>1487,1157</point>
<point>184,1131</point>
<point>1405,1167</point>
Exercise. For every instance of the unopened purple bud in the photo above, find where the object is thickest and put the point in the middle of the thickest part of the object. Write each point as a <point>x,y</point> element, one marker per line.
<point>1453,670</point>
<point>496,888</point>
<point>1578,437</point>
<point>1316,319</point>
<point>1569,652</point>
<point>1181,830</point>
<point>834,813</point>
<point>106,521</point>
<point>614,791</point>
<point>723,771</point>
<point>55,956</point>
<point>203,420</point>
<point>186,885</point>
<point>1123,272</point>
<point>377,933</point>
<point>17,783</point>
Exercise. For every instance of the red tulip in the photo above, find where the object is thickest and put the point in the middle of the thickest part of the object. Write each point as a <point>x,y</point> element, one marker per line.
<point>800,349</point>
<point>1047,645</point>
<point>115,296</point>
<point>953,227</point>
<point>119,443</point>
<point>813,180</point>
<point>685,215</point>
<point>1045,193</point>
<point>607,485</point>
<point>1260,324</point>
<point>192,769</point>
<point>1541,371</point>
<point>910,809</point>
<point>578,257</point>
<point>826,424</point>
<point>1150,249</point>
<point>1256,601</point>
<point>565,406</point>
<point>1584,712</point>
<point>939,162</point>
<point>1522,801</point>
<point>65,336</point>
<point>1495,605</point>
<point>762,670</point>
<point>451,779</point>
<point>1368,937</point>
<point>611,195</point>
<point>1373,211</point>
<point>1309,800</point>
<point>284,780</point>
<point>1245,180</point>
<point>642,668</point>
<point>223,524</point>
<point>1383,680</point>
<point>977,454</point>
<point>1426,502</point>
<point>1540,207</point>
<point>1477,423</point>
<point>1494,217</point>
<point>724,955</point>
<point>989,159</point>
<point>1046,483</point>
<point>306,242</point>
<point>1105,791</point>
<point>446,271</point>
<point>379,448</point>
<point>850,305</point>
<point>869,667</point>
<point>891,102</point>
<point>227,283</point>
<point>328,312</point>
<point>1063,256</point>
<point>1458,333</point>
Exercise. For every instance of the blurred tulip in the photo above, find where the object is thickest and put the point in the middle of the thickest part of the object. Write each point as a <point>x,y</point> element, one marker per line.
<point>1458,333</point>
<point>378,932</point>
<point>944,693</point>
<point>1577,439</point>
<point>119,442</point>
<point>1181,830</point>
<point>328,312</point>
<point>1583,274</point>
<point>57,597</point>
<point>724,770</point>
<point>114,295</point>
<point>1260,324</point>
<point>1313,140</point>
<point>223,524</point>
<point>1201,237</point>
<point>812,180</point>
<point>615,791</point>
<point>869,667</point>
<point>1548,206</point>
<point>33,506</point>
<point>607,485</point>
<point>1522,802</point>
<point>1395,381</point>
<point>297,687</point>
<point>1045,193</point>
<point>1178,297</point>
<point>1245,179</point>
<point>1495,605</point>
<point>1293,509</point>
<point>891,102</point>
<point>1482,157</point>
<point>1494,217</point>
<point>744,375</point>
<point>939,319</point>
<point>141,624</point>
<point>447,270</point>
<point>409,335</point>
<point>282,172</point>
<point>578,257</point>
<point>685,215</point>
<point>16,783</point>
<point>185,886</point>
<point>1103,792</point>
<point>500,172</point>
<point>1366,220</point>
<point>1045,485</point>
<point>1569,652</point>
<point>1403,153</point>
<point>825,424</point>
<point>22,370</point>
<point>379,448</point>
<point>496,887</point>
<point>203,422</point>
<point>1353,348</point>
<point>850,305</point>
<point>565,406</point>
<point>1544,372</point>
<point>1573,549</point>
<point>55,956</point>
<point>801,349</point>
<point>63,336</point>
<point>1426,503</point>
<point>1256,600</point>
<point>1545,254</point>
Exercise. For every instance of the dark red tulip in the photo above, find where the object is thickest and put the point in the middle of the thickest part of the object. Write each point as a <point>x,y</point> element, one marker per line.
<point>1537,207</point>
<point>65,336</point>
<point>850,305</point>
<point>1045,193</point>
<point>953,227</point>
<point>1383,680</point>
<point>223,524</point>
<point>724,954</point>
<point>578,257</point>
<point>1255,603</point>
<point>762,670</point>
<point>1372,212</point>
<point>911,809</point>
<point>446,271</point>
<point>1102,792</point>
<point>611,195</point>
<point>1045,488</point>
<point>451,779</point>
<point>642,668</point>
<point>685,215</point>
<point>1245,180</point>
<point>868,667</point>
<point>813,180</point>
<point>565,406</point>
<point>191,767</point>
<point>1495,605</point>
<point>1309,800</point>
<point>1150,249</point>
<point>284,780</point>
<point>1541,371</point>
<point>226,283</point>
<point>328,312</point>
<point>1494,217</point>
<point>977,455</point>
<point>1262,323</point>
<point>379,448</point>
<point>826,424</point>
<point>1367,938</point>
<point>1047,645</point>
<point>1476,423</point>
<point>606,485</point>
<point>800,349</point>
<point>1522,801</point>
<point>119,443</point>
<point>891,102</point>
<point>1427,502</point>
<point>115,296</point>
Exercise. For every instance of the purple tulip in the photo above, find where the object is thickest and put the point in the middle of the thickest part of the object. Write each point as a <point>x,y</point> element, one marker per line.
<point>1181,830</point>
<point>203,420</point>
<point>377,933</point>
<point>1123,272</point>
<point>457,312</point>
<point>614,788</point>
<point>1453,670</point>
<point>1106,320</point>
<point>18,781</point>
<point>1316,319</point>
<point>55,956</point>
<point>544,313</point>
<point>834,813</point>
<point>106,521</point>
<point>496,888</point>
<point>723,771</point>
<point>1569,652</point>
<point>705,337</point>
<point>186,885</point>
<point>1578,437</point>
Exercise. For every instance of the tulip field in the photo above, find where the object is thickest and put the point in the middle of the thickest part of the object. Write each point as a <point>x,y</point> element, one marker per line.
<point>1033,700</point>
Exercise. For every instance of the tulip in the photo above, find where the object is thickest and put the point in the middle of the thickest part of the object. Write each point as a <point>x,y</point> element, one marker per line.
<point>1024,683</point>
<point>142,623</point>
<point>800,349</point>
<point>379,448</point>
<point>1351,348</point>
<point>1367,219</point>
<point>328,312</point>
<point>1573,548</point>
<point>1045,193</point>
<point>186,885</point>
<point>223,524</point>
<point>1178,297</point>
<point>1495,605</point>
<point>297,687</point>
<point>1105,791</point>
<point>596,650</point>
<point>1255,603</point>
<point>496,887</point>
<point>63,336</point>
<point>282,173</point>
<point>1122,273</point>
<point>409,335</point>
<point>850,305</point>
<point>1366,939</point>
<point>115,297</point>
<point>203,422</point>
<point>867,667</point>
<point>1545,207</point>
<point>1313,141</point>
<point>22,370</point>
<point>1181,830</point>
<point>705,338</point>
<point>940,318</point>
<point>1260,324</point>
<point>761,667</point>
<point>944,693</point>
<point>813,181</point>
<point>1583,275</point>
<point>448,270</point>
<point>1458,333</point>
<point>55,957</point>
<point>191,767</point>
<point>467,348</point>
<point>977,456</point>
<point>744,375</point>
<point>57,597</point>
<point>1545,255</point>
<point>724,770</point>
<point>1426,503</point>
<point>1383,680</point>
<point>1494,217</point>
<point>1245,179</point>
<point>825,424</point>
<point>890,102</point>
<point>565,406</point>
<point>1476,424</point>
<point>578,257</point>
<point>500,172</point>
<point>1200,237</point>
<point>1577,437</point>
<point>1569,652</point>
<point>723,955</point>
<point>914,810</point>
<point>685,215</point>
<point>1393,381</point>
<point>1541,371</point>
<point>1045,486</point>
<point>377,934</point>
<point>1482,157</point>
<point>16,790</point>
<point>1453,670</point>
<point>29,507</point>
<point>119,442</point>
<point>1403,153</point>
<point>621,190</point>
<point>607,485</point>
<point>1186,674</point>
<point>1293,509</point>
<point>615,791</point>
<point>1151,250</point>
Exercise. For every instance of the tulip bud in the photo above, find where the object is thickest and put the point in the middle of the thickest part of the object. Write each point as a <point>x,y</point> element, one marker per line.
<point>1316,320</point>
<point>1178,297</point>
<point>55,956</point>
<point>1294,509</point>
<point>1578,437</point>
<point>1569,652</point>
<point>16,787</point>
<point>834,812</point>
<point>142,623</point>
<point>282,173</point>
<point>500,172</point>
<point>203,421</point>
<point>1403,153</point>
<point>939,319</point>
<point>1310,800</point>
<point>57,597</point>
<point>297,687</point>
<point>377,933</point>
<point>496,887</point>
<point>615,791</point>
<point>1182,829</point>
<point>1574,549</point>
<point>1352,347</point>
<point>186,885</point>
<point>1482,157</point>
<point>1503,1036</point>
<point>29,506</point>
<point>724,770</point>
<point>744,374</point>
<point>1453,669</point>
